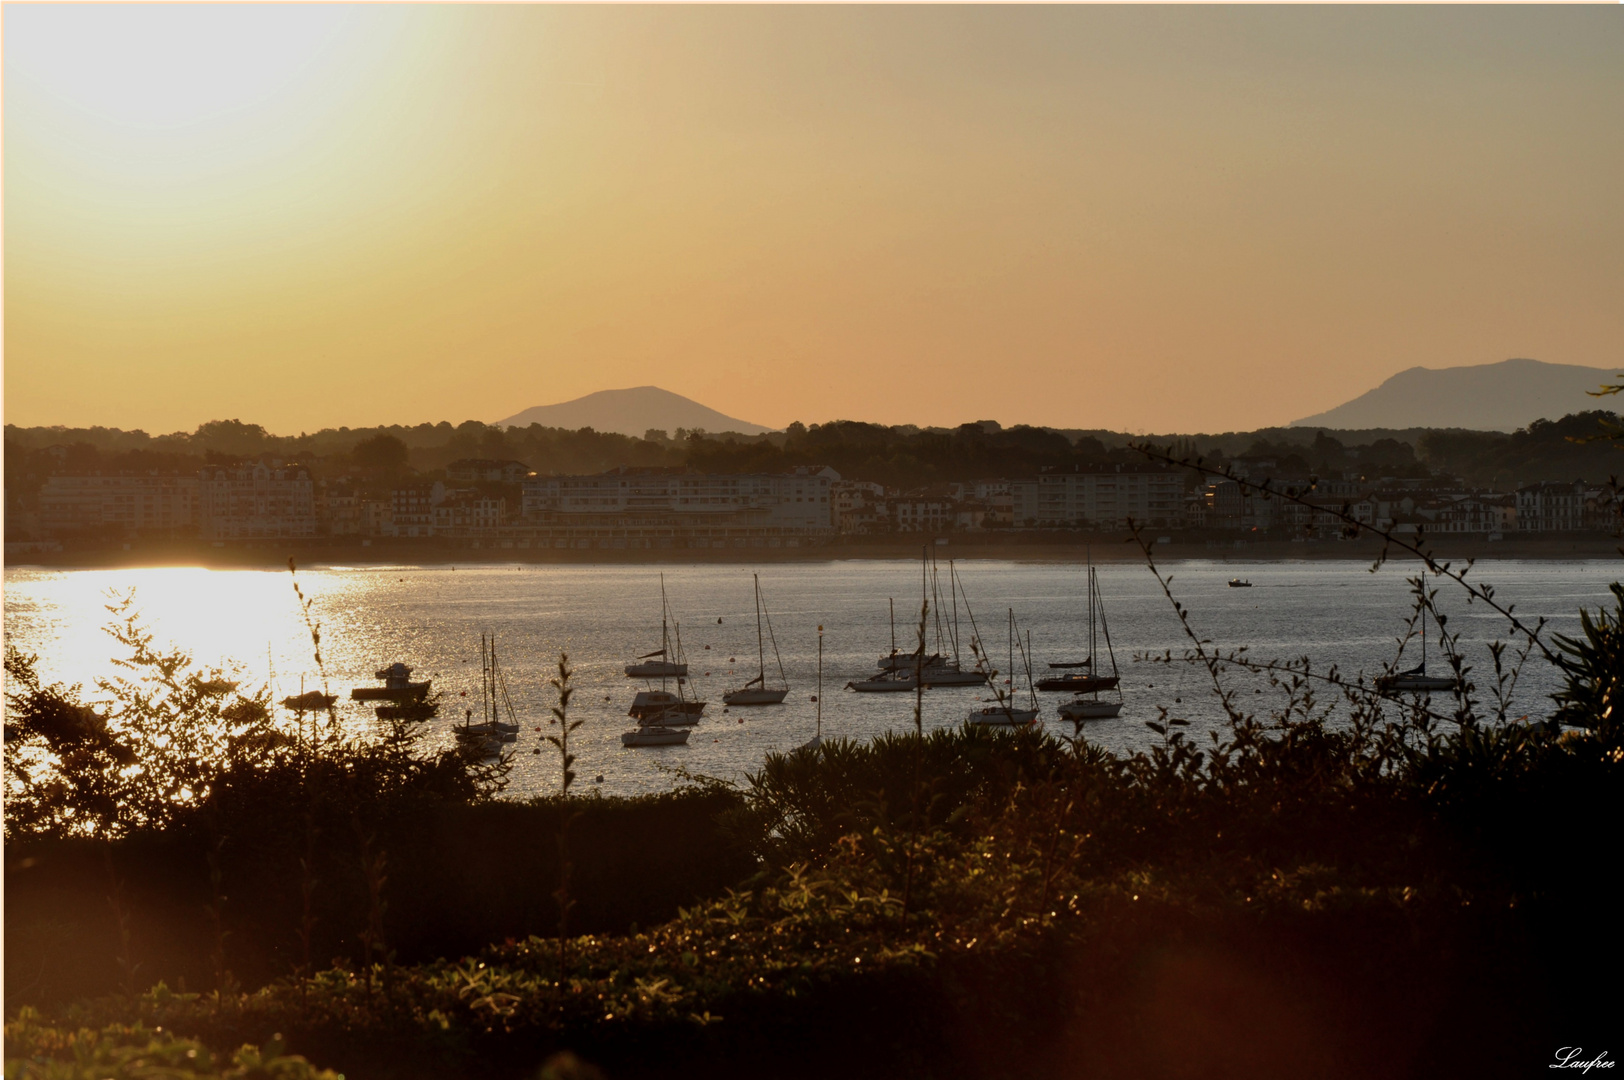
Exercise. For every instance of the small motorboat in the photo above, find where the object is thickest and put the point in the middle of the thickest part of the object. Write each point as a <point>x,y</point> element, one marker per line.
<point>410,710</point>
<point>1090,709</point>
<point>397,686</point>
<point>312,701</point>
<point>1239,583</point>
<point>655,735</point>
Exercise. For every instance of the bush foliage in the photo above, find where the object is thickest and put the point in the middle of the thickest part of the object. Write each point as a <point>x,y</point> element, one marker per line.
<point>959,903</point>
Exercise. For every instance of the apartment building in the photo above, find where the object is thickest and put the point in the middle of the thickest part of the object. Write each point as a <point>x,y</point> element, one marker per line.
<point>469,510</point>
<point>1100,497</point>
<point>412,508</point>
<point>149,503</point>
<point>670,499</point>
<point>1552,506</point>
<point>262,501</point>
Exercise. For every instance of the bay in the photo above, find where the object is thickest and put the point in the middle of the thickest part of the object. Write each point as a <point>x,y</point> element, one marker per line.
<point>431,617</point>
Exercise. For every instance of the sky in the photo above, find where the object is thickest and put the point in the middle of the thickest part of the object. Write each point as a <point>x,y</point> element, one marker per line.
<point>1158,218</point>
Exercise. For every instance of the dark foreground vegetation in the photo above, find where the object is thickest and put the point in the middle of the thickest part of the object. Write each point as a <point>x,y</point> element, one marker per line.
<point>1350,884</point>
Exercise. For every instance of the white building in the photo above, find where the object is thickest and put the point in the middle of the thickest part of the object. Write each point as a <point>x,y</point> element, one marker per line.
<point>1552,506</point>
<point>256,502</point>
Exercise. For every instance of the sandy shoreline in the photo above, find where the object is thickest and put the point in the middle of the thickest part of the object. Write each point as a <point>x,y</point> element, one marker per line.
<point>1102,548</point>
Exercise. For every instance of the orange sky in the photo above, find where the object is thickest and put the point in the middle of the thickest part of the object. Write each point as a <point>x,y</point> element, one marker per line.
<point>1141,218</point>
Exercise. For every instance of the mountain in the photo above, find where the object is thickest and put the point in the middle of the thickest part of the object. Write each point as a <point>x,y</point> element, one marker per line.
<point>631,412</point>
<point>1484,397</point>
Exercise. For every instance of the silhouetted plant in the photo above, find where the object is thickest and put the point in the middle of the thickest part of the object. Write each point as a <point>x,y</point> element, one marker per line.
<point>1593,668</point>
<point>152,748</point>
<point>566,762</point>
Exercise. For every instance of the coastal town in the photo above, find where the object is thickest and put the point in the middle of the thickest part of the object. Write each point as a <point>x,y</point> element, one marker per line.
<point>476,503</point>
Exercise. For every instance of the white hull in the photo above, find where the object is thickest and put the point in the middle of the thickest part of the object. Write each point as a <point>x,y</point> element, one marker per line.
<point>998,715</point>
<point>654,736</point>
<point>1090,710</point>
<point>755,697</point>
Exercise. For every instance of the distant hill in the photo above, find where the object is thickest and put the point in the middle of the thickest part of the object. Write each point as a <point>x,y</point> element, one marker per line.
<point>631,412</point>
<point>1483,397</point>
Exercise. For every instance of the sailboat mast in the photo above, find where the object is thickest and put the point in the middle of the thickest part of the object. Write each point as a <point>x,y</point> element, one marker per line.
<point>820,683</point>
<point>665,633</point>
<point>1423,622</point>
<point>1026,659</point>
<point>1011,652</point>
<point>953,589</point>
<point>1093,647</point>
<point>893,601</point>
<point>761,647</point>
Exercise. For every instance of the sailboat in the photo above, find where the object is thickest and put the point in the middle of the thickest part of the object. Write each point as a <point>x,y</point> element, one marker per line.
<point>492,730</point>
<point>661,709</point>
<point>669,666</point>
<point>898,670</point>
<point>1087,705</point>
<point>1089,681</point>
<point>904,661</point>
<point>1416,680</point>
<point>1005,712</point>
<point>939,671</point>
<point>756,691</point>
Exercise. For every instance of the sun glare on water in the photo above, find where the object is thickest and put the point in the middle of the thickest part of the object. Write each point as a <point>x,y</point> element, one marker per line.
<point>246,621</point>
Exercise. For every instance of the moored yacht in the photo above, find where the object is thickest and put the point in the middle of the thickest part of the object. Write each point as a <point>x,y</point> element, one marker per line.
<point>397,686</point>
<point>756,691</point>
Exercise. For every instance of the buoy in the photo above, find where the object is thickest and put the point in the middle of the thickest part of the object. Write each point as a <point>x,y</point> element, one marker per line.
<point>599,778</point>
<point>814,697</point>
<point>718,620</point>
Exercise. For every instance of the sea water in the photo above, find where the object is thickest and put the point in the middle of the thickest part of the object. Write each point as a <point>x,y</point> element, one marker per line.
<point>431,617</point>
